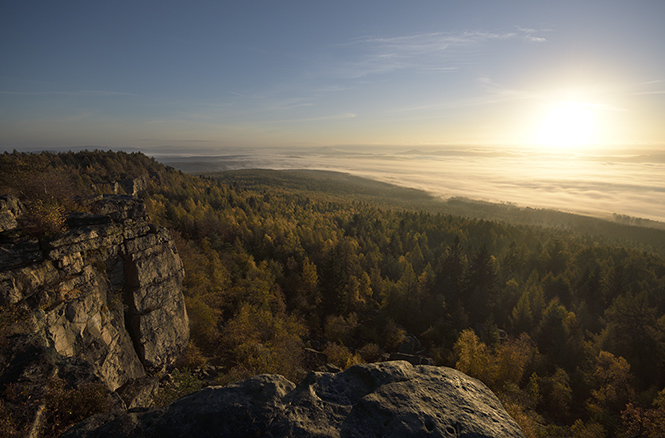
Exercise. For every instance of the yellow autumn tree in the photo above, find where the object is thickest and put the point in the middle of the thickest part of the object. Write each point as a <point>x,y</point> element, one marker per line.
<point>474,357</point>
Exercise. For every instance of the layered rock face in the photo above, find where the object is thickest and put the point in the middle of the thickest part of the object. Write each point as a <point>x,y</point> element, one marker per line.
<point>10,209</point>
<point>389,399</point>
<point>107,292</point>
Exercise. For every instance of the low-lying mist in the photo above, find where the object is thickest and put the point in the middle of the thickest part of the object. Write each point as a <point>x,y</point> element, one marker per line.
<point>598,185</point>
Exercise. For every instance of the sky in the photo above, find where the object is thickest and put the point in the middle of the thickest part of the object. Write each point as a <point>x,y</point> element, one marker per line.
<point>208,75</point>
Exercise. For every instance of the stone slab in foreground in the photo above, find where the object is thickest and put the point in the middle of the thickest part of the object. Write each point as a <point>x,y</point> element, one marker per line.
<point>389,399</point>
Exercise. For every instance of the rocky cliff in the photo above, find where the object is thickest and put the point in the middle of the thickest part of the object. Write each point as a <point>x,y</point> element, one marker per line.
<point>389,399</point>
<point>105,295</point>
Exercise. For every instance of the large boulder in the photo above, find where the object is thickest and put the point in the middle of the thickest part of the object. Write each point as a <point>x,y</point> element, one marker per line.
<point>389,399</point>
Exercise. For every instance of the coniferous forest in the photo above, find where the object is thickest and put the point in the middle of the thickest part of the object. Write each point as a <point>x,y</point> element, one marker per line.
<point>567,328</point>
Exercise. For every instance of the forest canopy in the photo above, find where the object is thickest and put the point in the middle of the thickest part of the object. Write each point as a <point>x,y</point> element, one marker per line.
<point>568,328</point>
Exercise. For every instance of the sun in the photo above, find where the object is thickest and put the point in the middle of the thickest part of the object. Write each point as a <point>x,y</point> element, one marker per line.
<point>567,125</point>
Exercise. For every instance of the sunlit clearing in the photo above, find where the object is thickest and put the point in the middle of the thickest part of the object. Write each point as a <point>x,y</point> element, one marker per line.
<point>567,125</point>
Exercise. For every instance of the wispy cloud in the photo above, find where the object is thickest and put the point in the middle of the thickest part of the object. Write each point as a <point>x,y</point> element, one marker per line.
<point>434,51</point>
<point>316,119</point>
<point>351,65</point>
<point>497,89</point>
<point>530,34</point>
<point>644,88</point>
<point>289,104</point>
<point>438,42</point>
<point>500,92</point>
<point>82,93</point>
<point>177,140</point>
<point>650,92</point>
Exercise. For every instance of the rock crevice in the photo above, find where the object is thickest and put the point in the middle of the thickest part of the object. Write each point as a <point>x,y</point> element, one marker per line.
<point>106,291</point>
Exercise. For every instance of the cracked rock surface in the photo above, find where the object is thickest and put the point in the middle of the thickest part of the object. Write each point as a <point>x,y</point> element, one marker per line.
<point>388,399</point>
<point>106,292</point>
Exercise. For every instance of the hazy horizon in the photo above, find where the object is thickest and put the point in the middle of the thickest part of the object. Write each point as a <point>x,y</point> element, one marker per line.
<point>568,74</point>
<point>593,184</point>
<point>554,104</point>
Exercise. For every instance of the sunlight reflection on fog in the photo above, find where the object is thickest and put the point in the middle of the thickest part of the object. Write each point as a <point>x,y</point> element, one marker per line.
<point>597,185</point>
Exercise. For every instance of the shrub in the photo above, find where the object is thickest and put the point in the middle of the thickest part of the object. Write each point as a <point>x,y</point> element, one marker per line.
<point>68,406</point>
<point>8,424</point>
<point>340,355</point>
<point>192,358</point>
<point>340,329</point>
<point>393,335</point>
<point>370,352</point>
<point>257,342</point>
<point>202,323</point>
<point>179,385</point>
<point>43,217</point>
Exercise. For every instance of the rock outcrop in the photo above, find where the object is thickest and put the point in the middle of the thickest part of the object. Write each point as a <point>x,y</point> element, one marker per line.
<point>106,292</point>
<point>10,209</point>
<point>389,399</point>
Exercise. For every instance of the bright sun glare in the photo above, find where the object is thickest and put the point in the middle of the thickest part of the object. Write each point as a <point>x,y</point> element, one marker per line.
<point>567,125</point>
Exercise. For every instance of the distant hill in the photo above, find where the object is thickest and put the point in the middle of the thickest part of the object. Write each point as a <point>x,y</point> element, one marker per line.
<point>624,230</point>
<point>333,184</point>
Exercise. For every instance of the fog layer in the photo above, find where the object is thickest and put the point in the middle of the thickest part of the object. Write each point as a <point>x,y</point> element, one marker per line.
<point>623,183</point>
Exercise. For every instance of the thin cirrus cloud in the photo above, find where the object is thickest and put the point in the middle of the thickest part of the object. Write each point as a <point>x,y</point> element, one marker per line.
<point>81,93</point>
<point>351,65</point>
<point>316,119</point>
<point>441,51</point>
